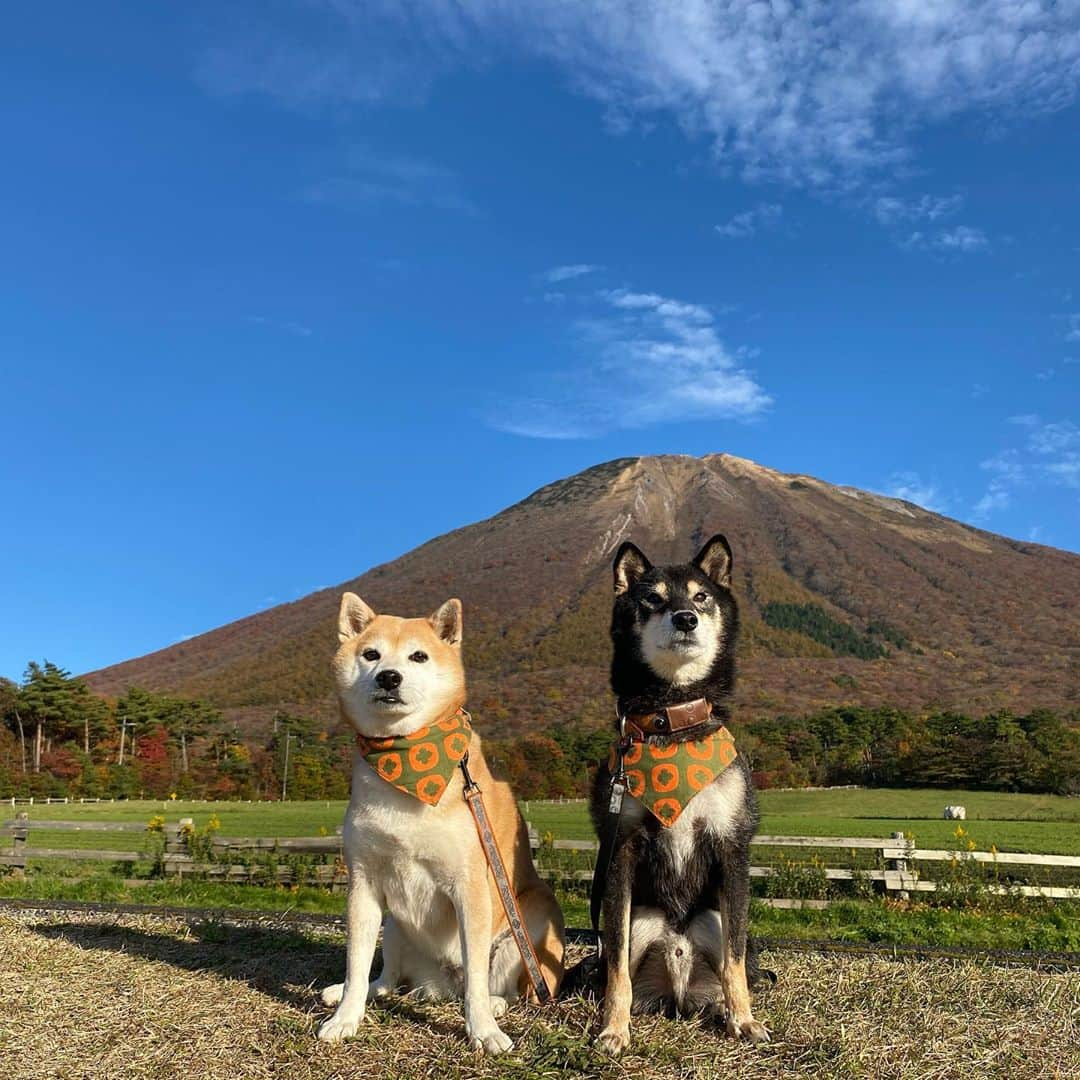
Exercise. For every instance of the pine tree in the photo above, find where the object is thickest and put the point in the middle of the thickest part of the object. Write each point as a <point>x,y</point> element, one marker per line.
<point>51,698</point>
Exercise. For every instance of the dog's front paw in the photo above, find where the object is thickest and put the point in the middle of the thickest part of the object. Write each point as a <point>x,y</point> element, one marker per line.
<point>752,1030</point>
<point>491,1040</point>
<point>377,990</point>
<point>340,1027</point>
<point>614,1041</point>
<point>498,1006</point>
<point>332,995</point>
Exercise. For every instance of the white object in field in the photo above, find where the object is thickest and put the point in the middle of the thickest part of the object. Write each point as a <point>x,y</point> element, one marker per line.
<point>955,813</point>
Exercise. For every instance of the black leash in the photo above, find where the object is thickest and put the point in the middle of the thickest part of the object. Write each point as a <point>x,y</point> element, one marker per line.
<point>502,882</point>
<point>609,838</point>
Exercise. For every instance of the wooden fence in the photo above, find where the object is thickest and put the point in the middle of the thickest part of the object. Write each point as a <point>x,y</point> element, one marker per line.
<point>224,858</point>
<point>49,800</point>
<point>896,866</point>
<point>898,872</point>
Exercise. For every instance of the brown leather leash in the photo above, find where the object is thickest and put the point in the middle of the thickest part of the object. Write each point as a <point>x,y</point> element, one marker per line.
<point>475,799</point>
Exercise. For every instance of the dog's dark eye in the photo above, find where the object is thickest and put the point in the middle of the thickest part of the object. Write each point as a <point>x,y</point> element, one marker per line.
<point>700,598</point>
<point>418,657</point>
<point>654,598</point>
<point>370,654</point>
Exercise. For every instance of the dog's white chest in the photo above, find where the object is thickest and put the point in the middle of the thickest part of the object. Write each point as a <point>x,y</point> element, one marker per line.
<point>411,852</point>
<point>714,812</point>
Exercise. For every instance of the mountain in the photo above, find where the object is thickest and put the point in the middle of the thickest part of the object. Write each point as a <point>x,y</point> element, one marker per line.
<point>846,597</point>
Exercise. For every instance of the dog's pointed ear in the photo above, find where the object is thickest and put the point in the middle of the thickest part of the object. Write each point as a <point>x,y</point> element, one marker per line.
<point>353,616</point>
<point>630,565</point>
<point>714,560</point>
<point>446,622</point>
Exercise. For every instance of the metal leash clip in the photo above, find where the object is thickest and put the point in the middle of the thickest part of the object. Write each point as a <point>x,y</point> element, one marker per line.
<point>618,777</point>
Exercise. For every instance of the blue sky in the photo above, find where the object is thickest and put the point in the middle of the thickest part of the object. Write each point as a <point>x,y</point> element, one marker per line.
<point>289,288</point>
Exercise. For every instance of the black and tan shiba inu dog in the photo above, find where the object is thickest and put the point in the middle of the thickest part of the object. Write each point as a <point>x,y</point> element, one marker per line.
<point>677,892</point>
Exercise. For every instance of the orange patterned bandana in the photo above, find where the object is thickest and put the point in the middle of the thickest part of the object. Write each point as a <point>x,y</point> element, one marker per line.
<point>420,764</point>
<point>666,778</point>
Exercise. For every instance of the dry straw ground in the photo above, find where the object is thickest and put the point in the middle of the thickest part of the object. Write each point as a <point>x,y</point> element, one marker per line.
<point>107,997</point>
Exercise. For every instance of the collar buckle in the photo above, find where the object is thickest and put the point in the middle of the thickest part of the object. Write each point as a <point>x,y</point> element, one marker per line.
<point>672,720</point>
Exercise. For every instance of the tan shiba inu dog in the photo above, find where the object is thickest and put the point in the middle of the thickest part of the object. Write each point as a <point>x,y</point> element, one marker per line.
<point>410,841</point>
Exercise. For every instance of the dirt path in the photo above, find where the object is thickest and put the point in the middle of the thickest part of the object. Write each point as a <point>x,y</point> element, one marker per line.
<point>104,997</point>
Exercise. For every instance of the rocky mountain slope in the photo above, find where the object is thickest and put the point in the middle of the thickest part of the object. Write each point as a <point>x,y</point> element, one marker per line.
<point>846,596</point>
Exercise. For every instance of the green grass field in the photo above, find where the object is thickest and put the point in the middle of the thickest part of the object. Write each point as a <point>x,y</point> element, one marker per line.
<point>1042,824</point>
<point>1012,822</point>
<point>237,819</point>
<point>1048,824</point>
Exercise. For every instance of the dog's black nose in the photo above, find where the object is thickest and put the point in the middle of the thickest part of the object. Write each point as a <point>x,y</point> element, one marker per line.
<point>684,620</point>
<point>388,679</point>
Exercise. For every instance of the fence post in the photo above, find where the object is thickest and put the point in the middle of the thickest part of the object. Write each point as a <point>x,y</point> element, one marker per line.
<point>176,845</point>
<point>903,864</point>
<point>18,842</point>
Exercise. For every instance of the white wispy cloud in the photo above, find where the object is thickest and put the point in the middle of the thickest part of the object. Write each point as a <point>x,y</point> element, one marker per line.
<point>369,175</point>
<point>910,487</point>
<point>568,273</point>
<point>1072,331</point>
<point>961,240</point>
<point>1049,454</point>
<point>762,216</point>
<point>894,210</point>
<point>996,498</point>
<point>911,221</point>
<point>813,92</point>
<point>644,359</point>
<point>1055,439</point>
<point>1006,472</point>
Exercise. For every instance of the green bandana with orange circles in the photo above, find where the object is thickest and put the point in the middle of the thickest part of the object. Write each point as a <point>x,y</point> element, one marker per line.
<point>666,778</point>
<point>420,764</point>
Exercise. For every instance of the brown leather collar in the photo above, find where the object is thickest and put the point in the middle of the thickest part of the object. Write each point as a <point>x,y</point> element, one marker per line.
<point>674,720</point>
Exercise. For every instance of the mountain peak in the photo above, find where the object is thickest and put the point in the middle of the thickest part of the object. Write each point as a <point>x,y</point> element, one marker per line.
<point>846,595</point>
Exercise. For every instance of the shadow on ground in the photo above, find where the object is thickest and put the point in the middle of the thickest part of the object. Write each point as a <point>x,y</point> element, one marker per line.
<point>279,962</point>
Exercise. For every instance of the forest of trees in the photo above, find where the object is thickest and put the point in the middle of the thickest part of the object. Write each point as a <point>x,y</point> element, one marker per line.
<point>841,639</point>
<point>57,738</point>
<point>1037,752</point>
